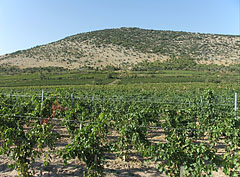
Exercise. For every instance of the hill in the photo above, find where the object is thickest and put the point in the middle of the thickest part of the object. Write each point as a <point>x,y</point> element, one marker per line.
<point>126,47</point>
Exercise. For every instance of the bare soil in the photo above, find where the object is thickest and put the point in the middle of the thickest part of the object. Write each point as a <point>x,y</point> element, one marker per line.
<point>114,166</point>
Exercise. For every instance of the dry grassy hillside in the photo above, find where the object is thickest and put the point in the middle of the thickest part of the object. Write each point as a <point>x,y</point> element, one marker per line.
<point>127,46</point>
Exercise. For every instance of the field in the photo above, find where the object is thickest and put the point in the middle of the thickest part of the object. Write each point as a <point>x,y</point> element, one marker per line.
<point>119,123</point>
<point>127,129</point>
<point>93,77</point>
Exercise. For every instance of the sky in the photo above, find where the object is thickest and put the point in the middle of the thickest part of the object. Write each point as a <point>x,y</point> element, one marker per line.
<point>27,23</point>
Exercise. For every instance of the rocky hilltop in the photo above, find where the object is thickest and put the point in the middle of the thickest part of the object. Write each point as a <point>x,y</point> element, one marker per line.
<point>128,46</point>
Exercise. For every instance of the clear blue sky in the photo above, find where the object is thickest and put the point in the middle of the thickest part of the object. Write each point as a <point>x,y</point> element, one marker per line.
<point>27,23</point>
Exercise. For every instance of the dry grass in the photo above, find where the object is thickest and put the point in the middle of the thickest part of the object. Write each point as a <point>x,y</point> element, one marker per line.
<point>75,52</point>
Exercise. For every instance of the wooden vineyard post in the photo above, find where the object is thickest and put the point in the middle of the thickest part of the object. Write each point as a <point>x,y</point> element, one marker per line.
<point>92,103</point>
<point>72,99</point>
<point>235,106</point>
<point>181,171</point>
<point>42,99</point>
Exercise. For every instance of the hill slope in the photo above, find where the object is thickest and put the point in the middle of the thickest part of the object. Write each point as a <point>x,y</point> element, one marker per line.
<point>126,46</point>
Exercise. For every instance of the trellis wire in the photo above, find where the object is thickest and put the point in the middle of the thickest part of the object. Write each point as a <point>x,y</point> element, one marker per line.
<point>93,99</point>
<point>201,102</point>
<point>77,121</point>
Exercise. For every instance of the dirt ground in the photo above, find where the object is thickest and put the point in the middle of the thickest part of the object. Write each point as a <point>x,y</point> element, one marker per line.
<point>114,166</point>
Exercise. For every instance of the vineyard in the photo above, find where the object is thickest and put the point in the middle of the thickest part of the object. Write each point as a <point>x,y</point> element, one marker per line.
<point>182,135</point>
